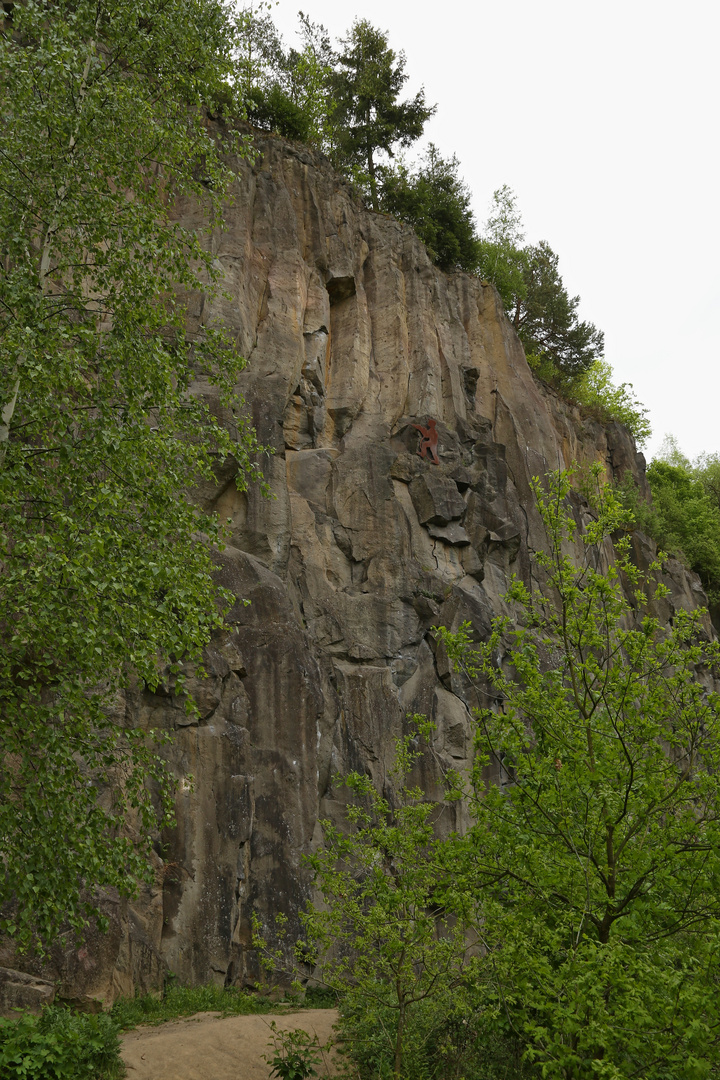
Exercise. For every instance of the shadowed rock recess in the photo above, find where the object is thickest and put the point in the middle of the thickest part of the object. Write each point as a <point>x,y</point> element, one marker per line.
<point>352,336</point>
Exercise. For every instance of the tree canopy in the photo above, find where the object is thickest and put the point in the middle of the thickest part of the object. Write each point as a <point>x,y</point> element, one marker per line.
<point>285,90</point>
<point>107,564</point>
<point>601,849</point>
<point>546,318</point>
<point>502,254</point>
<point>536,300</point>
<point>684,516</point>
<point>689,521</point>
<point>436,202</point>
<point>368,116</point>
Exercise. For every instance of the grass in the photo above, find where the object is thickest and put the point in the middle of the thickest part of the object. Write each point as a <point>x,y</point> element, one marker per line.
<point>180,1001</point>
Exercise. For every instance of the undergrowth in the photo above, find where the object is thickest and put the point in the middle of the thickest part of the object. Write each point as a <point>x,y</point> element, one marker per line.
<point>65,1045</point>
<point>180,1001</point>
<point>60,1045</point>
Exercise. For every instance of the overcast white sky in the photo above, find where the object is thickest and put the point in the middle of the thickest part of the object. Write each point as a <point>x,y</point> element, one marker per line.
<point>603,119</point>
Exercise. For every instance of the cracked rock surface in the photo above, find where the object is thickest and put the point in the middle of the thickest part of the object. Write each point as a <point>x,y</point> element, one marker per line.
<point>352,337</point>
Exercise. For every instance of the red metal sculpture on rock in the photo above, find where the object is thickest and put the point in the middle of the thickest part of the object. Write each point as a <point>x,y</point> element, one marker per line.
<point>429,441</point>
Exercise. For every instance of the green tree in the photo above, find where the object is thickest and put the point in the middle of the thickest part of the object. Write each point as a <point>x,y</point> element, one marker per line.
<point>387,935</point>
<point>683,516</point>
<point>671,453</point>
<point>502,255</point>
<point>597,858</point>
<point>287,92</point>
<point>106,563</point>
<point>261,67</point>
<point>535,298</point>
<point>308,77</point>
<point>436,202</point>
<point>705,468</point>
<point>687,521</point>
<point>259,50</point>
<point>546,318</point>
<point>595,390</point>
<point>368,116</point>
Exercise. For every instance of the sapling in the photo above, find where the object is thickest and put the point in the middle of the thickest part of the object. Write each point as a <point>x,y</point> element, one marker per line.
<point>389,931</point>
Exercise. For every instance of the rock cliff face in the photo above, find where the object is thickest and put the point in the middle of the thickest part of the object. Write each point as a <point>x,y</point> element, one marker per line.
<point>352,337</point>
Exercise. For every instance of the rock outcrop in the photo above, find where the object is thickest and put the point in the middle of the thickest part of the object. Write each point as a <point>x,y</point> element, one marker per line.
<point>352,337</point>
<point>18,990</point>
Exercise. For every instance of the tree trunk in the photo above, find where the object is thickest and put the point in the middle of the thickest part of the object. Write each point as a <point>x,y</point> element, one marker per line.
<point>518,312</point>
<point>373,179</point>
<point>400,1035</point>
<point>6,416</point>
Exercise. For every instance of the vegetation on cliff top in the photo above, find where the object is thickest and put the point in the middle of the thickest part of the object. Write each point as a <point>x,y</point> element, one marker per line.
<point>347,102</point>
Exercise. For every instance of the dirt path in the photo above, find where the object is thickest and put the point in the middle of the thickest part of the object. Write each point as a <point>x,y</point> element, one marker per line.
<point>206,1047</point>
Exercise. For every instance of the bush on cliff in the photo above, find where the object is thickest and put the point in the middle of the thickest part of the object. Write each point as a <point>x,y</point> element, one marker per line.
<point>597,394</point>
<point>436,202</point>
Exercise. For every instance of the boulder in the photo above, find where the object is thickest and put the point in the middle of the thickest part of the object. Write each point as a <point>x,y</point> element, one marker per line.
<point>18,990</point>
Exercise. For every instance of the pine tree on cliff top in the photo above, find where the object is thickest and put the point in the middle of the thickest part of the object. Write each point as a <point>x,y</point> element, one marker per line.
<point>368,116</point>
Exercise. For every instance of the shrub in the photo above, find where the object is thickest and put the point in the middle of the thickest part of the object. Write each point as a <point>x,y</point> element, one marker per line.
<point>436,202</point>
<point>60,1045</point>
<point>274,110</point>
<point>594,390</point>
<point>295,1054</point>
<point>452,1035</point>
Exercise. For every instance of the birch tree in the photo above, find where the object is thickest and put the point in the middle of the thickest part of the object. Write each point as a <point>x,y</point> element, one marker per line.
<point>106,563</point>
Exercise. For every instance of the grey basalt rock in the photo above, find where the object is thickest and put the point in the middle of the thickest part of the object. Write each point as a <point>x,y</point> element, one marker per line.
<point>352,337</point>
<point>452,533</point>
<point>436,499</point>
<point>18,990</point>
